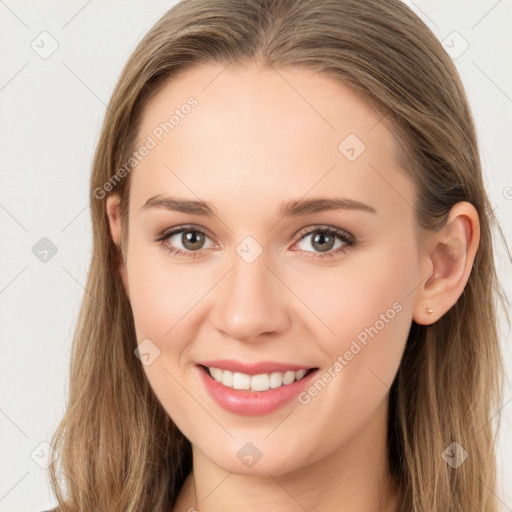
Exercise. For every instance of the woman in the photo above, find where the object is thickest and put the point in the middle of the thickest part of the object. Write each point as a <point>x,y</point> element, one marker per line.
<point>291,295</point>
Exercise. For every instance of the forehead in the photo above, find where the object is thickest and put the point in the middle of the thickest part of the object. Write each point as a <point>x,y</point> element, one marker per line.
<point>259,132</point>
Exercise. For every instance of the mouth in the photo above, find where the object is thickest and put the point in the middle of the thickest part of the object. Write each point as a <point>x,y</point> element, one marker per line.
<point>256,383</point>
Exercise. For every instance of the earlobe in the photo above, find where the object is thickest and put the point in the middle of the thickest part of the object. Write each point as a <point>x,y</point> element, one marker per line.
<point>450,260</point>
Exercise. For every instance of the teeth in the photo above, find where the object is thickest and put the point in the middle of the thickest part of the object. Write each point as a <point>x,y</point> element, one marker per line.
<point>241,381</point>
<point>300,374</point>
<point>288,378</point>
<point>261,382</point>
<point>227,378</point>
<point>216,374</point>
<point>276,379</point>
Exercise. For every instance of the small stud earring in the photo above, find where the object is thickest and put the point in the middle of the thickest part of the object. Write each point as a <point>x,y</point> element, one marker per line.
<point>429,311</point>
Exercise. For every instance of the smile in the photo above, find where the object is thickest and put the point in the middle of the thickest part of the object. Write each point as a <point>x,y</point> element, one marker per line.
<point>254,393</point>
<point>260,382</point>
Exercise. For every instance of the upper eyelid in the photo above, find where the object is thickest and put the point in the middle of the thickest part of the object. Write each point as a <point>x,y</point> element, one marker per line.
<point>185,227</point>
<point>319,227</point>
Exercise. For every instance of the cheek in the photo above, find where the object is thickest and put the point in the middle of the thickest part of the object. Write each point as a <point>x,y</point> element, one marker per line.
<point>161,296</point>
<point>370,296</point>
<point>160,299</point>
<point>365,313</point>
<point>370,313</point>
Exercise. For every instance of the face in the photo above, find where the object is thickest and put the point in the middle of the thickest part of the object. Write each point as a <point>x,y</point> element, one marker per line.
<point>263,283</point>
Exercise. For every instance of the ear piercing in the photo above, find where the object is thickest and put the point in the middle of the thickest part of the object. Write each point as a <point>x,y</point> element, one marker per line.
<point>429,311</point>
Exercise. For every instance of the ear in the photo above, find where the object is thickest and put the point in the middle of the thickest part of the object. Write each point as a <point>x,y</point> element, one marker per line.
<point>114,219</point>
<point>448,262</point>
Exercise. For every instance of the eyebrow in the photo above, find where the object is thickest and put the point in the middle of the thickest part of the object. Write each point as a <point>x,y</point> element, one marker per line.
<point>293,208</point>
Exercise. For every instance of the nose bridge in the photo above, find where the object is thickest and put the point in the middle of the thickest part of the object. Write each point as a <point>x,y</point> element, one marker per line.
<point>251,301</point>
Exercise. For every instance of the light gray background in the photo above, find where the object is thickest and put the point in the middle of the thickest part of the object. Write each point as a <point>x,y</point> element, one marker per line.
<point>52,109</point>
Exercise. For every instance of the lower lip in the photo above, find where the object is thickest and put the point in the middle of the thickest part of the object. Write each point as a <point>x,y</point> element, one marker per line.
<point>253,403</point>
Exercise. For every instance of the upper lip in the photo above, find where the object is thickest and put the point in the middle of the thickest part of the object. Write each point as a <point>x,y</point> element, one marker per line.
<point>253,368</point>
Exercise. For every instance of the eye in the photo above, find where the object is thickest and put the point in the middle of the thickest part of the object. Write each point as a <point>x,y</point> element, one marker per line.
<point>324,240</point>
<point>191,238</point>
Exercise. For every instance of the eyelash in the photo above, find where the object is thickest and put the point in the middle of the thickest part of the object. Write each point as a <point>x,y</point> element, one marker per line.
<point>345,237</point>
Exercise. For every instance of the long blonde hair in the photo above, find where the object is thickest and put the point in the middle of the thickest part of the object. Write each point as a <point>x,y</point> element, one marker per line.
<point>119,450</point>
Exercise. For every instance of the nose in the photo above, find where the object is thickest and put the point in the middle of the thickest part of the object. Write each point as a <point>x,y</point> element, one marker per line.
<point>251,301</point>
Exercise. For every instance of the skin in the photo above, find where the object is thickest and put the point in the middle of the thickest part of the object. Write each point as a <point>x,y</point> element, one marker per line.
<point>251,143</point>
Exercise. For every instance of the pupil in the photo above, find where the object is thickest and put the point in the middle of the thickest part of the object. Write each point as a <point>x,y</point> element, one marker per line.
<point>192,240</point>
<point>323,242</point>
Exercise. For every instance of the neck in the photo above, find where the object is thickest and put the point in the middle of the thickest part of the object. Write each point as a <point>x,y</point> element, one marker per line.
<point>355,477</point>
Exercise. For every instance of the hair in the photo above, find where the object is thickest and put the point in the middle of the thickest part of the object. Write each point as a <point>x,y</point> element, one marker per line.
<point>119,449</point>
